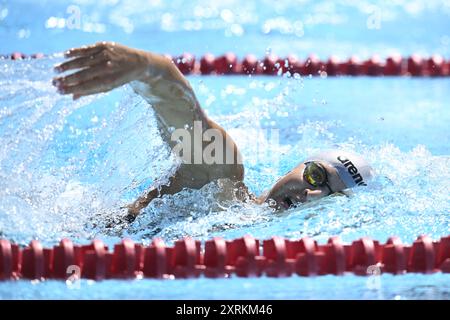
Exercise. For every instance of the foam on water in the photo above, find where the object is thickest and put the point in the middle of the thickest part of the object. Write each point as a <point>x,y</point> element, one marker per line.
<point>64,162</point>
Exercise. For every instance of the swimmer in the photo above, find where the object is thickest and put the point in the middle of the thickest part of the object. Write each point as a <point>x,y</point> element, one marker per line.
<point>106,65</point>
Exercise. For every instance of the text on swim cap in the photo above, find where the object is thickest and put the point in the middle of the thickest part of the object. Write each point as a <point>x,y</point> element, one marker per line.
<point>353,171</point>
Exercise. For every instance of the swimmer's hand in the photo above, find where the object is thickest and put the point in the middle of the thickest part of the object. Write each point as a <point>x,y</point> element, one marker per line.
<point>102,67</point>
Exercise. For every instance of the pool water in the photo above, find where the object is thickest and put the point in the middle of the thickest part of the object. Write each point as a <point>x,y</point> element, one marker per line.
<point>68,168</point>
<point>340,27</point>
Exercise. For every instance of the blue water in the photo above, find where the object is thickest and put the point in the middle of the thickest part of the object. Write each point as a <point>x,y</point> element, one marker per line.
<point>341,28</point>
<point>67,168</point>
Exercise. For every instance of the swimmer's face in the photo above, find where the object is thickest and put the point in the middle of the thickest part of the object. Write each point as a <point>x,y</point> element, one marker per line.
<point>293,187</point>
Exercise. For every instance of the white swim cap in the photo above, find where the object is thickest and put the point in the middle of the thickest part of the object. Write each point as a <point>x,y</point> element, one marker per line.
<point>351,168</point>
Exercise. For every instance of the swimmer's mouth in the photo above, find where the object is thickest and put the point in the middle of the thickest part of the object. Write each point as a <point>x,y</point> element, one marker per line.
<point>287,203</point>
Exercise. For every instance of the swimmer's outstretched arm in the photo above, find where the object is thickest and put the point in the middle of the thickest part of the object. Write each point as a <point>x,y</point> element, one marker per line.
<point>105,66</point>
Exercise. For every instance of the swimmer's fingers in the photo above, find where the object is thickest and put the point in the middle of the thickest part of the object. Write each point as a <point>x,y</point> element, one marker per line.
<point>104,66</point>
<point>79,63</point>
<point>86,50</point>
<point>85,89</point>
<point>92,86</point>
<point>84,75</point>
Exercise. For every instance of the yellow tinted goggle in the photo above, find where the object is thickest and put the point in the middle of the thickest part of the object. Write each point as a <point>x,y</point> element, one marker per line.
<point>315,174</point>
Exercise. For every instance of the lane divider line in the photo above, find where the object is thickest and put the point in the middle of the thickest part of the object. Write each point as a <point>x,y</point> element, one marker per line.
<point>220,258</point>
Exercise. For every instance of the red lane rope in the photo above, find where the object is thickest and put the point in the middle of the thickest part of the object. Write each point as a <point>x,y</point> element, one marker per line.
<point>219,258</point>
<point>21,56</point>
<point>228,64</point>
<point>394,65</point>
